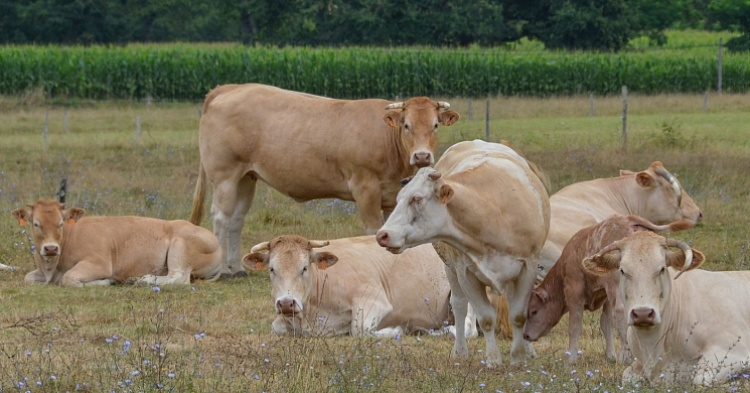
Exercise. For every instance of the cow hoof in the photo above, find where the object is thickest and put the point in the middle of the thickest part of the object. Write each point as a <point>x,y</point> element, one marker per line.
<point>240,274</point>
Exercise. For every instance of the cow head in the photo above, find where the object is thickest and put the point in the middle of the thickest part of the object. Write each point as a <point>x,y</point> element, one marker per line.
<point>47,219</point>
<point>645,282</point>
<point>417,120</point>
<point>292,263</point>
<point>661,199</point>
<point>542,314</point>
<point>420,215</point>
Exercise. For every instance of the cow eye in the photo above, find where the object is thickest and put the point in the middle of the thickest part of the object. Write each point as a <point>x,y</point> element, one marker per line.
<point>304,270</point>
<point>271,270</point>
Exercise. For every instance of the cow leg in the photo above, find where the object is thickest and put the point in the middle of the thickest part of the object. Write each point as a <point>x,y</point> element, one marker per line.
<point>367,312</point>
<point>87,273</point>
<point>37,276</point>
<point>459,305</point>
<point>486,315</point>
<point>231,202</point>
<point>6,267</point>
<point>518,293</point>
<point>605,323</point>
<point>575,324</point>
<point>366,195</point>
<point>470,324</point>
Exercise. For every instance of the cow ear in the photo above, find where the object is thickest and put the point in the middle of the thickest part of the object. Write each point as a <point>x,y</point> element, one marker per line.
<point>542,294</point>
<point>22,216</point>
<point>448,118</point>
<point>600,264</point>
<point>257,261</point>
<point>73,214</point>
<point>392,118</point>
<point>325,259</point>
<point>445,193</point>
<point>676,259</point>
<point>644,179</point>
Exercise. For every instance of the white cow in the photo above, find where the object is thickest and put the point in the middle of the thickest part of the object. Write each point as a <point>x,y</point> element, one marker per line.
<point>654,194</point>
<point>352,286</point>
<point>692,329</point>
<point>491,209</point>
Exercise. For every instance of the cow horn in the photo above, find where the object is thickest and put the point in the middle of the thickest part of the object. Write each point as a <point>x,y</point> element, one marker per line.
<point>265,246</point>
<point>395,105</point>
<point>443,105</point>
<point>317,243</point>
<point>688,254</point>
<point>663,172</point>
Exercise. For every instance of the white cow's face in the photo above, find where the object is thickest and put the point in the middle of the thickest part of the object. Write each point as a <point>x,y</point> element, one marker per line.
<point>663,200</point>
<point>643,259</point>
<point>421,214</point>
<point>290,261</point>
<point>417,120</point>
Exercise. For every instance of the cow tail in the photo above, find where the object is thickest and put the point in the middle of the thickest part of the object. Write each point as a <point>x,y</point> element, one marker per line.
<point>199,196</point>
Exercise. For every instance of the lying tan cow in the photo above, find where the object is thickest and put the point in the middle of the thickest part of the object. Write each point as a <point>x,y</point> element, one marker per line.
<point>308,147</point>
<point>654,194</point>
<point>352,286</point>
<point>685,324</point>
<point>489,212</point>
<point>73,250</point>
<point>569,288</point>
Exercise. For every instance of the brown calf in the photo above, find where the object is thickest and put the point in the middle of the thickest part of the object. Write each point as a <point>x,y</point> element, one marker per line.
<point>569,288</point>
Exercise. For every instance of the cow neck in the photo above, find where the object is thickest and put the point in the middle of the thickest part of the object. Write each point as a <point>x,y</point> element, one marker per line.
<point>617,193</point>
<point>656,344</point>
<point>553,283</point>
<point>322,290</point>
<point>400,156</point>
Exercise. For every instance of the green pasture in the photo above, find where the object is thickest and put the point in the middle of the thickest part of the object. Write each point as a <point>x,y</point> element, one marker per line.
<point>215,337</point>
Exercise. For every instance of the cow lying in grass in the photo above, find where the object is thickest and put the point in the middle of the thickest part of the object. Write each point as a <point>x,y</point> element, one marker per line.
<point>569,288</point>
<point>73,250</point>
<point>352,286</point>
<point>684,324</point>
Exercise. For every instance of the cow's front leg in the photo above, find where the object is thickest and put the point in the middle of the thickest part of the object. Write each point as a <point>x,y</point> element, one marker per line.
<point>86,273</point>
<point>36,276</point>
<point>459,305</point>
<point>366,193</point>
<point>486,316</point>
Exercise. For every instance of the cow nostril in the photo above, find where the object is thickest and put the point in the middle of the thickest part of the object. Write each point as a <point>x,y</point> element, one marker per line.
<point>382,238</point>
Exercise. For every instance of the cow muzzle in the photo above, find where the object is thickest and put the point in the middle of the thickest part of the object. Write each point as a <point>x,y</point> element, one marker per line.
<point>384,240</point>
<point>421,159</point>
<point>643,317</point>
<point>49,250</point>
<point>288,306</point>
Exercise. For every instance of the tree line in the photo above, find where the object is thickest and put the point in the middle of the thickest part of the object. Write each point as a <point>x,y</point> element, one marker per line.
<point>560,24</point>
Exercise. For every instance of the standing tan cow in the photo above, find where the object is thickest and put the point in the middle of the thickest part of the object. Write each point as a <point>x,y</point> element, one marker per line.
<point>654,194</point>
<point>352,286</point>
<point>308,147</point>
<point>73,250</point>
<point>569,288</point>
<point>684,324</point>
<point>490,211</point>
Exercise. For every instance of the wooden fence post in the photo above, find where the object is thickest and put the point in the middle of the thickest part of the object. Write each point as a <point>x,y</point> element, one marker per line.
<point>720,66</point>
<point>624,118</point>
<point>487,121</point>
<point>591,104</point>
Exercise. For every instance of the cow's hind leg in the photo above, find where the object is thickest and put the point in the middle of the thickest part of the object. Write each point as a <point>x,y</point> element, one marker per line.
<point>518,293</point>
<point>231,202</point>
<point>179,257</point>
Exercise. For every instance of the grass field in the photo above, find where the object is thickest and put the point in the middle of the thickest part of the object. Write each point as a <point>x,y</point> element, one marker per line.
<point>216,336</point>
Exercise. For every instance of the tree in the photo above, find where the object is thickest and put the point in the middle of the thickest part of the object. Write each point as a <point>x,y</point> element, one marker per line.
<point>733,15</point>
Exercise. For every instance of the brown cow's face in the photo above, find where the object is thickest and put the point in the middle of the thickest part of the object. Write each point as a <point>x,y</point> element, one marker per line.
<point>418,122</point>
<point>47,219</point>
<point>542,315</point>
<point>291,261</point>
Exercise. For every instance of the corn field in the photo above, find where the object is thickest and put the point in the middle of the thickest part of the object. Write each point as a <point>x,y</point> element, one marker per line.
<point>187,72</point>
